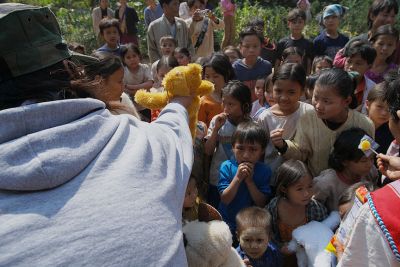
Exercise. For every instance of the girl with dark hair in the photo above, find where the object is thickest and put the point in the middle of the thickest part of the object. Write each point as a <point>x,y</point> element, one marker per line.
<point>348,165</point>
<point>236,102</point>
<point>320,63</point>
<point>281,119</point>
<point>182,55</point>
<point>219,71</point>
<point>317,129</point>
<point>293,55</point>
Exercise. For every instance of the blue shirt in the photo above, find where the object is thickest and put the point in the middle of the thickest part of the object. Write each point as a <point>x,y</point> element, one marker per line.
<point>150,15</point>
<point>271,258</point>
<point>324,45</point>
<point>261,177</point>
<point>243,73</point>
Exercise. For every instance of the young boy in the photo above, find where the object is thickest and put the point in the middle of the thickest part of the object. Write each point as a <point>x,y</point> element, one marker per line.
<point>296,22</point>
<point>244,180</point>
<point>167,45</point>
<point>109,31</point>
<point>252,65</point>
<point>254,234</point>
<point>359,57</point>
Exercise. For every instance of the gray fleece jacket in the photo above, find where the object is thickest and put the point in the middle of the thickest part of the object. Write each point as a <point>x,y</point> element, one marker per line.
<point>82,187</point>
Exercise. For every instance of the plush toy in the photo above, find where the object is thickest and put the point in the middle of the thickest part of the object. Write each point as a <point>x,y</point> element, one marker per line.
<point>310,240</point>
<point>208,241</point>
<point>180,81</point>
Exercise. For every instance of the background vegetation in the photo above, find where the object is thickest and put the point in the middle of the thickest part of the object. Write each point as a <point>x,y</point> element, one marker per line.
<point>76,24</point>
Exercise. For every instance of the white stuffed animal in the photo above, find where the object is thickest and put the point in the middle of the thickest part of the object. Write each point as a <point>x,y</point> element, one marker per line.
<point>310,240</point>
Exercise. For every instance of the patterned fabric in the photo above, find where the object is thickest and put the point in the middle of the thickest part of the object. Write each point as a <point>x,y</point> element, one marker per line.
<point>334,10</point>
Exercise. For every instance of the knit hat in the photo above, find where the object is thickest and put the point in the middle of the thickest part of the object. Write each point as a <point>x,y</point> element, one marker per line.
<point>30,40</point>
<point>334,10</point>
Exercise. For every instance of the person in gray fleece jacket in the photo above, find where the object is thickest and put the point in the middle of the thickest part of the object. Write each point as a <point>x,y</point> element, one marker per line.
<point>78,185</point>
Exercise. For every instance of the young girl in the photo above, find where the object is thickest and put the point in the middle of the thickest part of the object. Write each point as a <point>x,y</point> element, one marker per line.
<point>136,75</point>
<point>236,102</point>
<point>293,54</point>
<point>293,206</point>
<point>268,90</point>
<point>288,86</point>
<point>233,53</point>
<point>261,103</point>
<point>182,55</point>
<point>320,63</point>
<point>317,129</point>
<point>384,40</point>
<point>348,165</point>
<point>219,71</point>
<point>191,202</point>
<point>378,112</point>
<point>310,84</point>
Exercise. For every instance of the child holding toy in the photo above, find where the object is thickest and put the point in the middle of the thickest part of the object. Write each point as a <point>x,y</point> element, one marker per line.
<point>317,129</point>
<point>293,206</point>
<point>236,102</point>
<point>244,179</point>
<point>254,234</point>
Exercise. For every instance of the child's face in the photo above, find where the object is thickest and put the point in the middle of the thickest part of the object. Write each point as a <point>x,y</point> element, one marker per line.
<point>182,59</point>
<point>111,36</point>
<point>167,47</point>
<point>131,59</point>
<point>268,95</point>
<point>384,46</point>
<point>254,241</point>
<point>323,64</point>
<point>113,85</point>
<point>162,72</point>
<point>300,193</point>
<point>250,47</point>
<point>328,104</point>
<point>259,89</point>
<point>383,18</point>
<point>232,108</point>
<point>191,194</point>
<point>287,94</point>
<point>359,169</point>
<point>197,5</point>
<point>296,26</point>
<point>293,59</point>
<point>232,54</point>
<point>378,112</point>
<point>358,64</point>
<point>247,152</point>
<point>331,23</point>
<point>217,79</point>
<point>344,208</point>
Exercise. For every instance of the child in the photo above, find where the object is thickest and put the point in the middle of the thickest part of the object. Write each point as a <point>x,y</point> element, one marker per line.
<point>288,86</point>
<point>348,165</point>
<point>261,103</point>
<point>252,65</point>
<point>293,206</point>
<point>219,71</point>
<point>268,90</point>
<point>317,129</point>
<point>378,112</point>
<point>236,102</point>
<point>359,57</point>
<point>128,18</point>
<point>296,21</point>
<point>190,202</point>
<point>182,55</point>
<point>233,53</point>
<point>330,40</point>
<point>310,84</point>
<point>384,40</point>
<point>320,63</point>
<point>167,46</point>
<point>136,75</point>
<point>244,179</point>
<point>254,234</point>
<point>109,31</point>
<point>201,28</point>
<point>268,47</point>
<point>293,55</point>
<point>306,7</point>
<point>228,8</point>
<point>152,12</point>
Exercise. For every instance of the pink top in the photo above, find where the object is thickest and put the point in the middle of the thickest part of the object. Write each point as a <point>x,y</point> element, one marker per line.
<point>228,8</point>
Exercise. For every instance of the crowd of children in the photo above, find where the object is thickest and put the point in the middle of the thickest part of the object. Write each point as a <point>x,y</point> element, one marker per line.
<point>281,131</point>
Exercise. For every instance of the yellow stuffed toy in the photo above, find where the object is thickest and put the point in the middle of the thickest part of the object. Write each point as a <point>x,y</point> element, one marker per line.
<point>180,81</point>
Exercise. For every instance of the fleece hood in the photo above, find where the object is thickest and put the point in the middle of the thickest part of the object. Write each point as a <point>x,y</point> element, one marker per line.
<point>45,145</point>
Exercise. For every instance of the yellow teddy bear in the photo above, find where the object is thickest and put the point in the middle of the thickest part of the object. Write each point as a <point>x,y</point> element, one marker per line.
<point>180,81</point>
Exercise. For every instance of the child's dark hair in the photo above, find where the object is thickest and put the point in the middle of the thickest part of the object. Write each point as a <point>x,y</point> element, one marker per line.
<point>105,67</point>
<point>253,217</point>
<point>168,62</point>
<point>108,23</point>
<point>182,50</point>
<point>126,48</point>
<point>348,195</point>
<point>249,31</point>
<point>258,23</point>
<point>379,6</point>
<point>341,82</point>
<point>378,92</point>
<point>241,93</point>
<point>168,38</point>
<point>295,14</point>
<point>362,47</point>
<point>392,96</point>
<point>191,3</point>
<point>268,82</point>
<point>250,132</point>
<point>220,64</point>
<point>346,148</point>
<point>234,48</point>
<point>293,50</point>
<point>291,71</point>
<point>319,59</point>
<point>289,173</point>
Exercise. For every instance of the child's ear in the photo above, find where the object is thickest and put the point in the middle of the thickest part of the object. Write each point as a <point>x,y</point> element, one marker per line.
<point>348,100</point>
<point>367,105</point>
